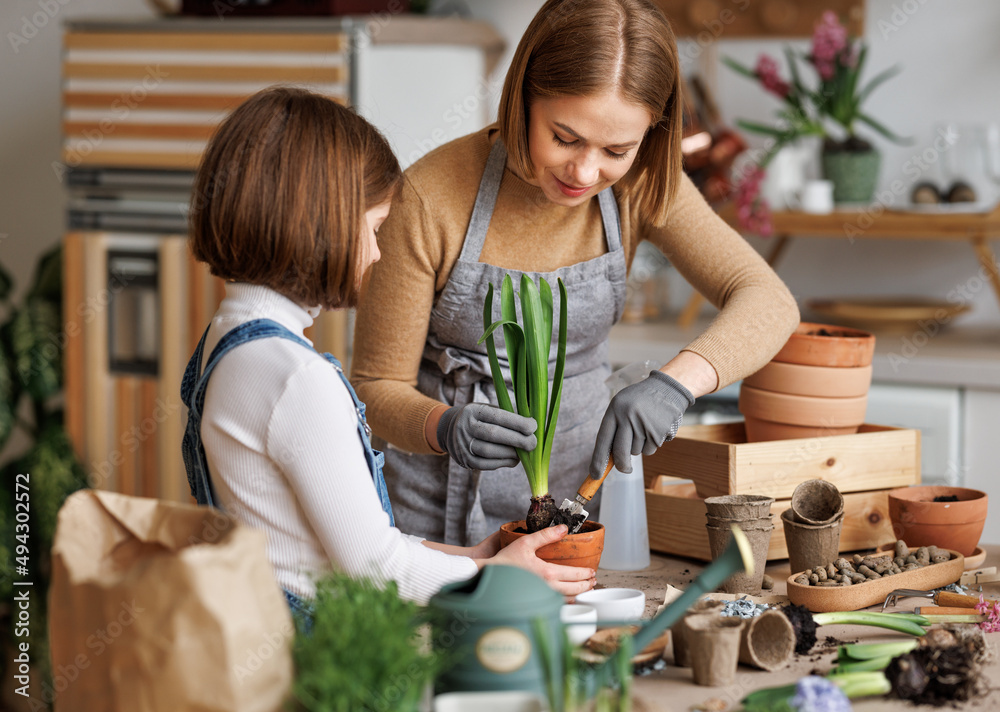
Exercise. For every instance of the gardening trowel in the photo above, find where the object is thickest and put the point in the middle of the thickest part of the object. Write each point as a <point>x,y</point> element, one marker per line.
<point>586,493</point>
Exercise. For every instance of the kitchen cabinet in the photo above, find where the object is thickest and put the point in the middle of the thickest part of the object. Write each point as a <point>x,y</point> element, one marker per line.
<point>140,100</point>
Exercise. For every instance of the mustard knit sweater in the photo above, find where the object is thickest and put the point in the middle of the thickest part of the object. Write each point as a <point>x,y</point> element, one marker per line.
<point>423,236</point>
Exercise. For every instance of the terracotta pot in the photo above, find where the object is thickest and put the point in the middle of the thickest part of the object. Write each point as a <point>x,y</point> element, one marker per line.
<point>758,430</point>
<point>581,549</point>
<point>814,411</point>
<point>802,380</point>
<point>920,521</point>
<point>842,347</point>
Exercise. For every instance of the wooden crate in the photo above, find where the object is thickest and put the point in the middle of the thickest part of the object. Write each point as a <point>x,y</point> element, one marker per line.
<point>719,460</point>
<point>676,517</point>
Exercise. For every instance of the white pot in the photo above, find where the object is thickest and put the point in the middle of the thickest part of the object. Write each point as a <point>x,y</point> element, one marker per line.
<point>786,174</point>
<point>493,701</point>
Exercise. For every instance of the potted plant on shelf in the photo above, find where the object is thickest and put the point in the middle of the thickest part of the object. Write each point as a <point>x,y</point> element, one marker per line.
<point>830,108</point>
<point>528,345</point>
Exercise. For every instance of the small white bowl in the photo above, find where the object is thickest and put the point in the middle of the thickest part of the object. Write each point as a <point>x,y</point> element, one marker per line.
<point>615,605</point>
<point>580,622</point>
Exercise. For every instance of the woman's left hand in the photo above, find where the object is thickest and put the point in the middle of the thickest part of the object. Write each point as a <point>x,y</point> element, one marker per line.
<point>640,419</point>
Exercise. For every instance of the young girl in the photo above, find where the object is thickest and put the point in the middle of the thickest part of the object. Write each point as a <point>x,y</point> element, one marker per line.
<point>287,203</point>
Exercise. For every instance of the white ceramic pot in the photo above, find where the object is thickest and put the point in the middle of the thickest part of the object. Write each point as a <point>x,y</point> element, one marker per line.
<point>580,621</point>
<point>615,605</point>
<point>492,701</point>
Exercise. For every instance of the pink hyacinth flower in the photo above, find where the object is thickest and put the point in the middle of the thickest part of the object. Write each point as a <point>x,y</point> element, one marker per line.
<point>752,210</point>
<point>829,40</point>
<point>767,72</point>
<point>992,611</point>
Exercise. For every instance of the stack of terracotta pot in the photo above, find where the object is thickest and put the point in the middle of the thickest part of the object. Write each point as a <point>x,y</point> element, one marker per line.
<point>816,385</point>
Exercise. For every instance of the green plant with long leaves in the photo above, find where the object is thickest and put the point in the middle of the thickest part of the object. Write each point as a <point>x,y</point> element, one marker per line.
<point>528,344</point>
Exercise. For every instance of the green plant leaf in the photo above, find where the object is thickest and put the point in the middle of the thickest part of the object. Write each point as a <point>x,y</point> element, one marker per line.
<point>503,397</point>
<point>760,128</point>
<point>864,118</point>
<point>47,283</point>
<point>6,283</point>
<point>545,292</point>
<point>537,364</point>
<point>9,395</point>
<point>557,379</point>
<point>35,348</point>
<point>739,68</point>
<point>877,80</point>
<point>513,337</point>
<point>55,474</point>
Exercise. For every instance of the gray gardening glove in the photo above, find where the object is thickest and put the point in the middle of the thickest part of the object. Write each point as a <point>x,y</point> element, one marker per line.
<point>480,436</point>
<point>640,418</point>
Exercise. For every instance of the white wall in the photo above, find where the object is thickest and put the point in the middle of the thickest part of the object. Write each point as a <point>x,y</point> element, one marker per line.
<point>31,196</point>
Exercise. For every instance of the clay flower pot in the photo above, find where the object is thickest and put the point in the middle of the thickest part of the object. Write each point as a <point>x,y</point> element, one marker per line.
<point>920,521</point>
<point>803,380</point>
<point>826,345</point>
<point>581,549</point>
<point>771,415</point>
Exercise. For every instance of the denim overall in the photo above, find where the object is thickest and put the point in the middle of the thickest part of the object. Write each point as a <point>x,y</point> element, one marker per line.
<point>193,388</point>
<point>434,496</point>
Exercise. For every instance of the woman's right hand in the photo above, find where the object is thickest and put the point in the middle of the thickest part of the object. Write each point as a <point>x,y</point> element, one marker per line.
<point>567,580</point>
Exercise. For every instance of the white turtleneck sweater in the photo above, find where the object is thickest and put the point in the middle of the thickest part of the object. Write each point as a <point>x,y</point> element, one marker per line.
<point>280,434</point>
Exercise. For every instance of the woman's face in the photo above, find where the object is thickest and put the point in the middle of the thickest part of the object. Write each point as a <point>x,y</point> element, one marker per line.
<point>374,217</point>
<point>579,145</point>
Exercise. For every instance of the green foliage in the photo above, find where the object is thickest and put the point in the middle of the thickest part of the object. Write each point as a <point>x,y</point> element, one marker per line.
<point>364,650</point>
<point>528,347</point>
<point>31,353</point>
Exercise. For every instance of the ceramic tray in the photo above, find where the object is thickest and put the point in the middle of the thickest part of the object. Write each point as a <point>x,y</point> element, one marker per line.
<point>822,599</point>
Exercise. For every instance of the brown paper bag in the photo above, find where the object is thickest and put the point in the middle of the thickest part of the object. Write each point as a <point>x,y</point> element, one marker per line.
<point>161,606</point>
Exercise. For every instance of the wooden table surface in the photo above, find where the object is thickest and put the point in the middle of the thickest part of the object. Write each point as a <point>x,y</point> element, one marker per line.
<point>672,689</point>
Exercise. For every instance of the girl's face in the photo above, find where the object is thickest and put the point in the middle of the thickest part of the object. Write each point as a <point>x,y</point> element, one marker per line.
<point>374,217</point>
<point>579,145</point>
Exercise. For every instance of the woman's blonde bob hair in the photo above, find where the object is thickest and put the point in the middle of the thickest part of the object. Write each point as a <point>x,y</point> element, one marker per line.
<point>281,193</point>
<point>593,47</point>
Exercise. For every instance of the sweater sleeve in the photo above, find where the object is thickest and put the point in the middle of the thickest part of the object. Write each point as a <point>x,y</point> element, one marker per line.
<point>392,321</point>
<point>312,436</point>
<point>757,313</point>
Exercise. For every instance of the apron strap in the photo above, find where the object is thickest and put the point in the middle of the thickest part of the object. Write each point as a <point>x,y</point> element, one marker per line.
<point>486,200</point>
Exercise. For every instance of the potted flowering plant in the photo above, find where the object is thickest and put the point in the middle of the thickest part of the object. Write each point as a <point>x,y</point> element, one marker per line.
<point>830,108</point>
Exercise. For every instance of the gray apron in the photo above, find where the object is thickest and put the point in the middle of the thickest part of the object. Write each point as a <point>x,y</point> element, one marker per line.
<point>434,497</point>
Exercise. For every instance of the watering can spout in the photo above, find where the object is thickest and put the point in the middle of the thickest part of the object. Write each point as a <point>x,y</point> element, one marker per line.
<point>737,557</point>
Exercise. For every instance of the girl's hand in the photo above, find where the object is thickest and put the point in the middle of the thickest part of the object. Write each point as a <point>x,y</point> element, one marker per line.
<point>487,548</point>
<point>567,580</point>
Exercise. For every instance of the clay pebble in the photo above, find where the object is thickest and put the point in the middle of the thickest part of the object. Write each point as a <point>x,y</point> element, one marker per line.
<point>860,568</point>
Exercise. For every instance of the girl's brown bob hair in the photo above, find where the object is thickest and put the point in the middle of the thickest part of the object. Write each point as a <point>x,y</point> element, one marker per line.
<point>281,193</point>
<point>591,47</point>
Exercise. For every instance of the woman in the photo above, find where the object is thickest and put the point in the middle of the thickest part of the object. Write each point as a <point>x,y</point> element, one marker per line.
<point>289,197</point>
<point>583,164</point>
